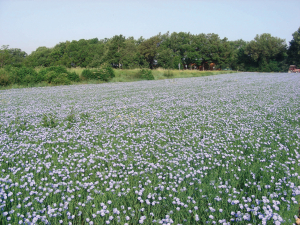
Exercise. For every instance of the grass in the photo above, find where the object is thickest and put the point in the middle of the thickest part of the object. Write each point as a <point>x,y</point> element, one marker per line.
<point>129,75</point>
<point>159,74</point>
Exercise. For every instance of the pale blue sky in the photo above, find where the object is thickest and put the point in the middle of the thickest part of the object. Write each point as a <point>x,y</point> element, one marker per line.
<point>29,24</point>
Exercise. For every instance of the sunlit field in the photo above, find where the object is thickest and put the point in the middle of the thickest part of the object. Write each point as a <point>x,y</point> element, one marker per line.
<point>221,149</point>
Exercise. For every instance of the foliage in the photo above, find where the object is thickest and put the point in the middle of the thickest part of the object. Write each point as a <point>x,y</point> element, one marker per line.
<point>168,74</point>
<point>149,48</point>
<point>11,56</point>
<point>39,57</point>
<point>165,58</point>
<point>104,73</point>
<point>88,74</point>
<point>53,77</point>
<point>130,57</point>
<point>25,75</point>
<point>72,76</point>
<point>294,49</point>
<point>264,53</point>
<point>146,74</point>
<point>57,75</point>
<point>265,48</point>
<point>4,77</point>
<point>113,55</point>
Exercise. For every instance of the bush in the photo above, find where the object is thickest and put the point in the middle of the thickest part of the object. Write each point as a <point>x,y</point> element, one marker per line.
<point>50,76</point>
<point>146,74</point>
<point>88,74</point>
<point>103,73</point>
<point>57,78</point>
<point>73,76</point>
<point>61,79</point>
<point>110,72</point>
<point>25,75</point>
<point>168,73</point>
<point>57,71</point>
<point>29,79</point>
<point>4,78</point>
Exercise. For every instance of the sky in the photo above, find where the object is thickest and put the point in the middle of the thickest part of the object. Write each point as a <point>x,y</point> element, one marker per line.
<point>29,24</point>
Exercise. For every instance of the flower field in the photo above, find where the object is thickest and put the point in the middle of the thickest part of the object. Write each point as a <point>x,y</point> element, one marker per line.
<point>210,150</point>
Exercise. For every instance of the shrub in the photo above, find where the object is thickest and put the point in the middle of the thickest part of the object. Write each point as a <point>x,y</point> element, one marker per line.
<point>104,73</point>
<point>4,78</point>
<point>110,72</point>
<point>53,72</point>
<point>25,75</point>
<point>49,76</point>
<point>57,69</point>
<point>72,76</point>
<point>61,79</point>
<point>146,74</point>
<point>29,79</point>
<point>87,74</point>
<point>42,74</point>
<point>168,73</point>
<point>57,78</point>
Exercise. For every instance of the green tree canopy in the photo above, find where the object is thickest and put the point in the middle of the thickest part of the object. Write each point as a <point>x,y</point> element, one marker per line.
<point>4,55</point>
<point>149,48</point>
<point>265,48</point>
<point>294,49</point>
<point>115,46</point>
<point>129,54</point>
<point>39,57</point>
<point>264,53</point>
<point>11,56</point>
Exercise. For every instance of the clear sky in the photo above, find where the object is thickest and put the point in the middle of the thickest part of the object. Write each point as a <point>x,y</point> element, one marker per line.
<point>29,24</point>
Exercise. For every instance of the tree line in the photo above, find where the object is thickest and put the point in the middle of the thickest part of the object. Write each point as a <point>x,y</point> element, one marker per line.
<point>264,53</point>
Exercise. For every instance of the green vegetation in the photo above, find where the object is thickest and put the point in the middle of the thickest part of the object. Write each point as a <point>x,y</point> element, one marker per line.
<point>96,76</point>
<point>294,49</point>
<point>103,73</point>
<point>93,60</point>
<point>27,76</point>
<point>146,74</point>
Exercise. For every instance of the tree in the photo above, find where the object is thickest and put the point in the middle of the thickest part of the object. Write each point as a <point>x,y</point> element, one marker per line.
<point>84,56</point>
<point>129,55</point>
<point>57,54</point>
<point>209,48</point>
<point>179,42</point>
<point>149,48</point>
<point>113,55</point>
<point>226,54</point>
<point>294,49</point>
<point>165,55</point>
<point>11,56</point>
<point>165,58</point>
<point>238,55</point>
<point>39,57</point>
<point>97,53</point>
<point>71,58</point>
<point>4,55</point>
<point>265,49</point>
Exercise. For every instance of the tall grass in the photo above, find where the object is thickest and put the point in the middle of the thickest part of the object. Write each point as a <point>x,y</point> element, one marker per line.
<point>124,75</point>
<point>160,74</point>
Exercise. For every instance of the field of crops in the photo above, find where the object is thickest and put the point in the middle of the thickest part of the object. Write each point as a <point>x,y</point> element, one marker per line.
<point>209,150</point>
